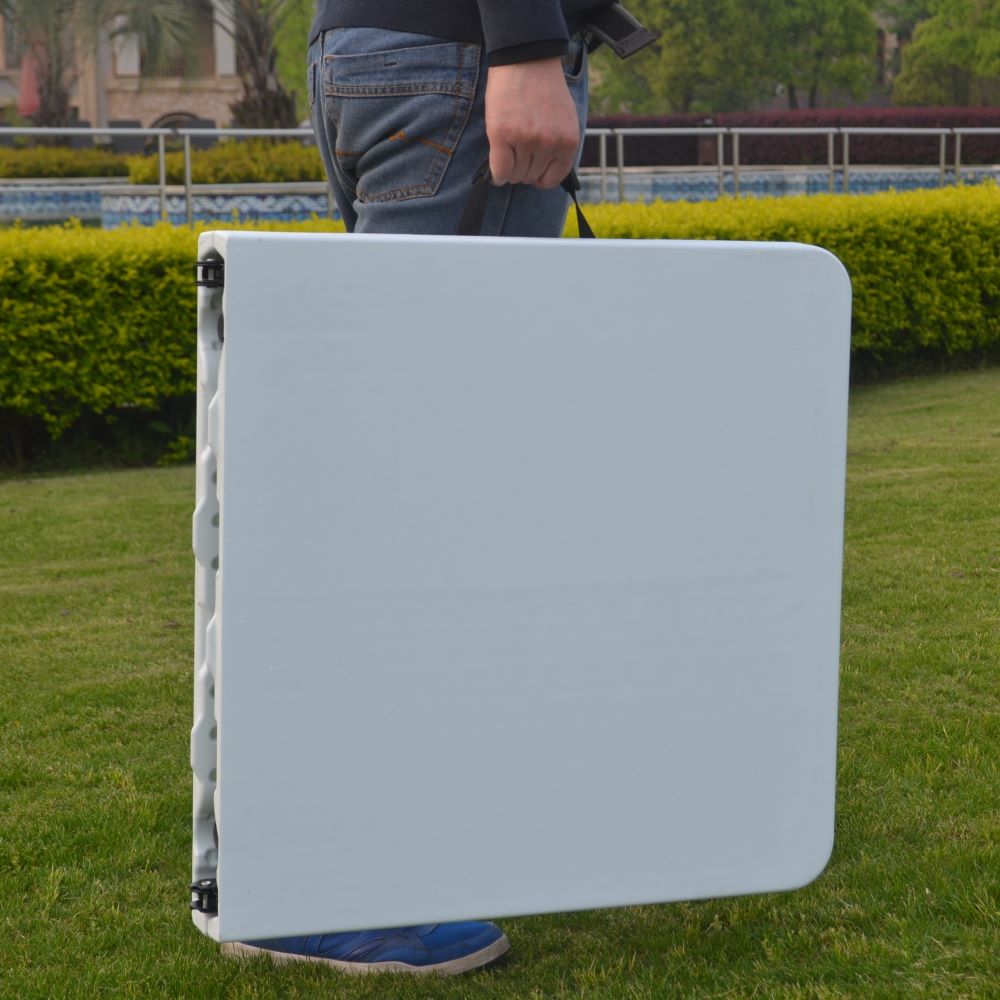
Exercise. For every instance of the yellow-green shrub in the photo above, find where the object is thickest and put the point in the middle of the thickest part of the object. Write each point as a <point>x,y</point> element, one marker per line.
<point>925,265</point>
<point>235,163</point>
<point>101,322</point>
<point>59,161</point>
<point>95,321</point>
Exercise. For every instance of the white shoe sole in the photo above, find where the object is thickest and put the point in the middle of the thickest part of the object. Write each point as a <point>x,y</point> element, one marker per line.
<point>236,949</point>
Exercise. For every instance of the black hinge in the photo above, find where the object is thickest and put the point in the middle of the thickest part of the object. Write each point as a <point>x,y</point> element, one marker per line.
<point>205,896</point>
<point>209,273</point>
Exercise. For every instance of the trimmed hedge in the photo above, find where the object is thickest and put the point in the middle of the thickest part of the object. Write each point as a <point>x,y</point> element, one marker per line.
<point>925,265</point>
<point>99,325</point>
<point>93,320</point>
<point>58,161</point>
<point>235,163</point>
<point>885,150</point>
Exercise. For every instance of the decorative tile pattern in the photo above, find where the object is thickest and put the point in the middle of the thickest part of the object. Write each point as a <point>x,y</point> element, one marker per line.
<point>704,186</point>
<point>55,203</point>
<point>48,203</point>
<point>117,209</point>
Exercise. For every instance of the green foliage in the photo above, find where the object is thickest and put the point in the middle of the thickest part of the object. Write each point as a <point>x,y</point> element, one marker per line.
<point>905,15</point>
<point>58,161</point>
<point>93,321</point>
<point>954,58</point>
<point>709,56</point>
<point>292,41</point>
<point>259,161</point>
<point>179,452</point>
<point>98,326</point>
<point>253,26</point>
<point>816,47</point>
<point>925,265</point>
<point>722,55</point>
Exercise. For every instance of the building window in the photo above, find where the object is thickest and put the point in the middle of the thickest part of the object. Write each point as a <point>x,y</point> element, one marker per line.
<point>11,46</point>
<point>197,58</point>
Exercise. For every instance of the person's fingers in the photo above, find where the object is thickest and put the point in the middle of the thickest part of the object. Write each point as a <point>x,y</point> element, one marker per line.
<point>555,173</point>
<point>523,160</point>
<point>502,163</point>
<point>532,124</point>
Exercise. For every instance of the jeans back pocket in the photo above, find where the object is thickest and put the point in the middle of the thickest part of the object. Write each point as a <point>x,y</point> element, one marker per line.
<point>398,112</point>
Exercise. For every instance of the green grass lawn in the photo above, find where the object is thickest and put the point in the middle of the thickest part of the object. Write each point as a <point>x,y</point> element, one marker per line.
<point>95,706</point>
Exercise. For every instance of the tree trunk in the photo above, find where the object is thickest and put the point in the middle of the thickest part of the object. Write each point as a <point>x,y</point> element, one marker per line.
<point>264,103</point>
<point>264,109</point>
<point>793,97</point>
<point>817,75</point>
<point>53,90</point>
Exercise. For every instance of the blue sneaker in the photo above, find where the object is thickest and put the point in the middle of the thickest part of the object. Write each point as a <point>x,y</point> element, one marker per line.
<point>445,949</point>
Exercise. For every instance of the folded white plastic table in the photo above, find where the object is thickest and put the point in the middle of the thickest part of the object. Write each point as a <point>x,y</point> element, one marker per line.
<point>518,575</point>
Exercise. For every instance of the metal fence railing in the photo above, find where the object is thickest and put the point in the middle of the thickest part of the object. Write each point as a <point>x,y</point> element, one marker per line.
<point>187,136</point>
<point>735,166</point>
<point>733,169</point>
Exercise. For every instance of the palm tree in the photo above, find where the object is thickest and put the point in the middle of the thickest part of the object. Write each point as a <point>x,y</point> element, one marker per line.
<point>56,31</point>
<point>253,26</point>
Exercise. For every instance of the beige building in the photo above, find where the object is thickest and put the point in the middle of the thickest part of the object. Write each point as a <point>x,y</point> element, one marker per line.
<point>115,83</point>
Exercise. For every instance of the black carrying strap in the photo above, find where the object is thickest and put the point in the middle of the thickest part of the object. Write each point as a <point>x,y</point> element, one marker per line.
<point>474,213</point>
<point>571,185</point>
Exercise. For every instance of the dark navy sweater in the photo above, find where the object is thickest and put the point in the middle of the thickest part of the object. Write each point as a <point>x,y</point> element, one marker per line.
<point>511,30</point>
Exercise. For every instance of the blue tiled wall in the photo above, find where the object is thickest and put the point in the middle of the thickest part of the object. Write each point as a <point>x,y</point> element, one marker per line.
<point>703,186</point>
<point>41,204</point>
<point>117,209</point>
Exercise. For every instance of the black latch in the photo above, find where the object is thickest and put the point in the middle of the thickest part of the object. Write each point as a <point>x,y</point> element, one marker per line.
<point>209,273</point>
<point>205,896</point>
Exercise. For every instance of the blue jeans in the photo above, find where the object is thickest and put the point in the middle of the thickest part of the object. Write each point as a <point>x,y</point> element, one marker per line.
<point>400,122</point>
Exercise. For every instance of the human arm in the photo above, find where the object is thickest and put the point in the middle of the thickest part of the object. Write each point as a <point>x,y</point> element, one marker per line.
<point>531,120</point>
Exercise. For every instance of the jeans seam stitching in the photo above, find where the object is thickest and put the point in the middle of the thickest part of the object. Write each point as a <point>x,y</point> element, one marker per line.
<point>393,90</point>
